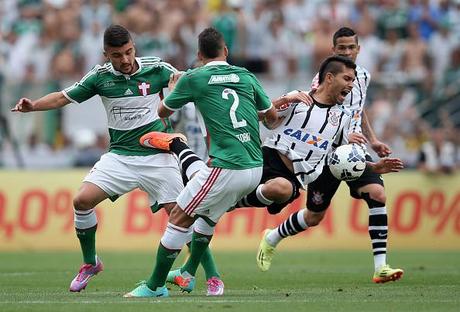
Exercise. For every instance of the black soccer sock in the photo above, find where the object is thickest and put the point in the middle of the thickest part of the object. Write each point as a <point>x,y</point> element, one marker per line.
<point>254,199</point>
<point>378,229</point>
<point>293,225</point>
<point>189,161</point>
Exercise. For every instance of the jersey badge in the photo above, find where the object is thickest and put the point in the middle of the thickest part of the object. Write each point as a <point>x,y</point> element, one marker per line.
<point>334,118</point>
<point>144,88</point>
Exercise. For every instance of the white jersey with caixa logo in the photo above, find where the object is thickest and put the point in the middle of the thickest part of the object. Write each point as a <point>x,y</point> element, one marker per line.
<point>131,101</point>
<point>306,136</point>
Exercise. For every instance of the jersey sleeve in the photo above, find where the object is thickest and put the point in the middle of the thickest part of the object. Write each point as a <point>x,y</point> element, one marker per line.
<point>181,95</point>
<point>83,89</point>
<point>166,70</point>
<point>263,103</point>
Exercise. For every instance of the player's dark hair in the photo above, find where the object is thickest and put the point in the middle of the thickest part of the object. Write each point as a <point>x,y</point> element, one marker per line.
<point>334,65</point>
<point>210,43</point>
<point>116,36</point>
<point>344,32</point>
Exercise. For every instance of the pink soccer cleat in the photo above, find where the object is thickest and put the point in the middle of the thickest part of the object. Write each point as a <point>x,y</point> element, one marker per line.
<point>86,272</point>
<point>215,287</point>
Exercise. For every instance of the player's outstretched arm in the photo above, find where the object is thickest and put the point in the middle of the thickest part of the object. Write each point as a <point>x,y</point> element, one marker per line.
<point>386,165</point>
<point>49,101</point>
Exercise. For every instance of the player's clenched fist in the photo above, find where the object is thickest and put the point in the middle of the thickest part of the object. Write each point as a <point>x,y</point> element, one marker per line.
<point>24,105</point>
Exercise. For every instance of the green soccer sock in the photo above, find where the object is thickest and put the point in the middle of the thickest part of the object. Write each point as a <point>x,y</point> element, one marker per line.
<point>198,248</point>
<point>164,262</point>
<point>208,263</point>
<point>87,238</point>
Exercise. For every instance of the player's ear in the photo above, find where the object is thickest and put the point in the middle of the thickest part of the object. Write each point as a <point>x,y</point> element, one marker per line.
<point>225,51</point>
<point>200,56</point>
<point>105,55</point>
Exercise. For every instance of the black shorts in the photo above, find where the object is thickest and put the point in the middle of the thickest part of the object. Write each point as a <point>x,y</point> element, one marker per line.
<point>321,191</point>
<point>274,167</point>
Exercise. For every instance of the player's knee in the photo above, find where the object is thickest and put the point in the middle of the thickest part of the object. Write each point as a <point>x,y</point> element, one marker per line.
<point>278,190</point>
<point>180,218</point>
<point>82,202</point>
<point>377,194</point>
<point>373,194</point>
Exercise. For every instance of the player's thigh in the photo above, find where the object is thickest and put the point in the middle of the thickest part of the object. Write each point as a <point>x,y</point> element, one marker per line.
<point>368,182</point>
<point>162,183</point>
<point>321,191</point>
<point>113,175</point>
<point>214,190</point>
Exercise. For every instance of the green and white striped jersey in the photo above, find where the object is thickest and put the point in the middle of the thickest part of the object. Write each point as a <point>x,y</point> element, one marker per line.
<point>131,101</point>
<point>228,99</point>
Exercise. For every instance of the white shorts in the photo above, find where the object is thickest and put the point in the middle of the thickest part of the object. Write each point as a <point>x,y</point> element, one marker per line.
<point>158,175</point>
<point>214,190</point>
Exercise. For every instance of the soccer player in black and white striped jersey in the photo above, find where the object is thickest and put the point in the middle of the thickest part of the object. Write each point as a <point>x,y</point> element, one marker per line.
<point>368,187</point>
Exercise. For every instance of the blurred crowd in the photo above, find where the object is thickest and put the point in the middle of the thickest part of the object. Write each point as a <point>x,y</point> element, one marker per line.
<point>411,48</point>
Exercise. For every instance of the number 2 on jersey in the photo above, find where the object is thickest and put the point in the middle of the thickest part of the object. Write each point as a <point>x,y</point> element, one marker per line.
<point>236,102</point>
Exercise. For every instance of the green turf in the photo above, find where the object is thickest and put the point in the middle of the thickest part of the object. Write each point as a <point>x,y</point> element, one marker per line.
<point>298,281</point>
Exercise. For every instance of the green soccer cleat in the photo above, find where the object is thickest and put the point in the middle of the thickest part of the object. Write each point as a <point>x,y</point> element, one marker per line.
<point>184,280</point>
<point>265,253</point>
<point>143,291</point>
<point>386,274</point>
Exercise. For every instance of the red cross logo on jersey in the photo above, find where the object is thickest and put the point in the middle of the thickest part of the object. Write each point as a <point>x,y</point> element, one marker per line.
<point>144,88</point>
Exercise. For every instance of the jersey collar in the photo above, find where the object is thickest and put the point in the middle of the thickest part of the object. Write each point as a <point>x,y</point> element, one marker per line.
<point>216,63</point>
<point>117,73</point>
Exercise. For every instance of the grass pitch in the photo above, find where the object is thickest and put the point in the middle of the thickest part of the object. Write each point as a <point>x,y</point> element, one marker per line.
<point>297,281</point>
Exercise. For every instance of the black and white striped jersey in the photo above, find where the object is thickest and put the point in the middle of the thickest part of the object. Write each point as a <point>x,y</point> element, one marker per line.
<point>354,102</point>
<point>306,136</point>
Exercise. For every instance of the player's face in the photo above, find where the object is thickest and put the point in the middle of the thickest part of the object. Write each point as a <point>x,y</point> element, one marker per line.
<point>343,84</point>
<point>122,58</point>
<point>347,46</point>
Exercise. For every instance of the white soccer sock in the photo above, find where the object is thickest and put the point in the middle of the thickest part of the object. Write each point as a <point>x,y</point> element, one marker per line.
<point>84,219</point>
<point>175,237</point>
<point>273,237</point>
<point>261,197</point>
<point>293,225</point>
<point>380,260</point>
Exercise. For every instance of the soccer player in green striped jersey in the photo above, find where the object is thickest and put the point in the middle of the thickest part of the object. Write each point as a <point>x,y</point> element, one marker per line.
<point>229,99</point>
<point>131,90</point>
